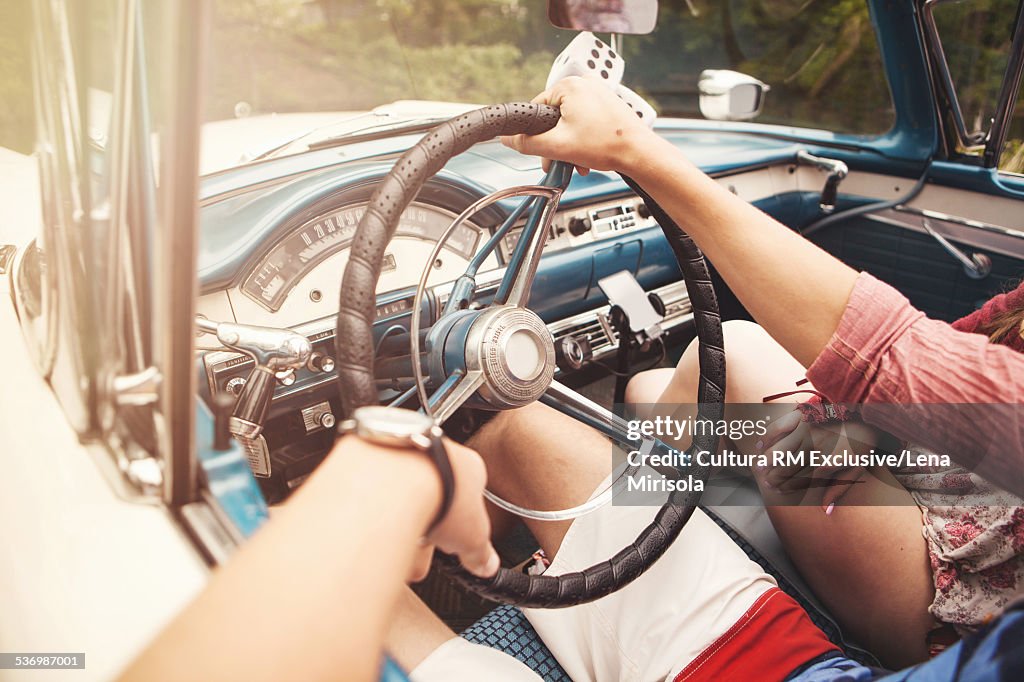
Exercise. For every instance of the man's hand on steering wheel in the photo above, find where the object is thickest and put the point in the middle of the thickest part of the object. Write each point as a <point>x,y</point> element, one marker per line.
<point>597,130</point>
<point>465,530</point>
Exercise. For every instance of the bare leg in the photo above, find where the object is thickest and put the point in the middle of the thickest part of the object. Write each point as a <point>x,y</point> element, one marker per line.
<point>868,564</point>
<point>539,458</point>
<point>415,632</point>
<point>526,465</point>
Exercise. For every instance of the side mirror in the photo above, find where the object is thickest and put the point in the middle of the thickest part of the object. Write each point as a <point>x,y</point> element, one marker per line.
<point>730,95</point>
<point>604,16</point>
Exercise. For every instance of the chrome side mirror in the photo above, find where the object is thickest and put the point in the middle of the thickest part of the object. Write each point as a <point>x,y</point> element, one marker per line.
<point>730,95</point>
<point>604,16</point>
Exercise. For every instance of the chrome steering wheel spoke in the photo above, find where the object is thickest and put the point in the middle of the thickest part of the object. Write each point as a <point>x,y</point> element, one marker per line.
<point>586,411</point>
<point>453,394</point>
<point>514,289</point>
<point>522,267</point>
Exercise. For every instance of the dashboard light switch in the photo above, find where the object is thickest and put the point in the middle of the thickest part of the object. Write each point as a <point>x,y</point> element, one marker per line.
<point>318,416</point>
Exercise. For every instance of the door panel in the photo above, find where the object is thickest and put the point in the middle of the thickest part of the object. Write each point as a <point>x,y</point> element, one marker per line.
<point>915,264</point>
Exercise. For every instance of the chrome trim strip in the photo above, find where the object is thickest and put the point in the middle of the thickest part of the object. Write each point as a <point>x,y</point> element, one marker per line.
<point>966,222</point>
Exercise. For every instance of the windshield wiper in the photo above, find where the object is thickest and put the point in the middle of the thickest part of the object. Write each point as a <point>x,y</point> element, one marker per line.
<point>379,131</point>
<point>368,132</point>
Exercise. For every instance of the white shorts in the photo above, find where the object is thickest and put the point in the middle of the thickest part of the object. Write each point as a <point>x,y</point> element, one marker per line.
<point>649,630</point>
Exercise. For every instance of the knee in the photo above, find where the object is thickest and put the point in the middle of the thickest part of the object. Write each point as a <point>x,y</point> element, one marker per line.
<point>647,387</point>
<point>497,438</point>
<point>742,335</point>
<point>742,340</point>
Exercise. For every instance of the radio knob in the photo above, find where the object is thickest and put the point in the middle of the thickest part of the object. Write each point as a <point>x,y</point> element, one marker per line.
<point>321,362</point>
<point>235,386</point>
<point>578,226</point>
<point>643,210</point>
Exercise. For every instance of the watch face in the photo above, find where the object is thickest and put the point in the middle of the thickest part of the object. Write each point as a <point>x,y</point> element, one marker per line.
<point>391,425</point>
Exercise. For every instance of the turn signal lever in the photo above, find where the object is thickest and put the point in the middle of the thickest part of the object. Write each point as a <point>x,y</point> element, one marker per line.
<point>837,170</point>
<point>274,351</point>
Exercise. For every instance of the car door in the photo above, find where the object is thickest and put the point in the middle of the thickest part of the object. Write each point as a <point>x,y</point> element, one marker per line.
<point>959,239</point>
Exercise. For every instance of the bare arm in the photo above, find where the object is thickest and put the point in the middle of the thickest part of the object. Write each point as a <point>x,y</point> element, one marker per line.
<point>310,596</point>
<point>886,354</point>
<point>796,291</point>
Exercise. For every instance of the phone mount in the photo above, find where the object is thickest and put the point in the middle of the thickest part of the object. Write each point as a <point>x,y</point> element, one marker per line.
<point>636,318</point>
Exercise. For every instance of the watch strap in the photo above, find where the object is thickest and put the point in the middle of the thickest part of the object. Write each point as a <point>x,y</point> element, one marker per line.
<point>438,455</point>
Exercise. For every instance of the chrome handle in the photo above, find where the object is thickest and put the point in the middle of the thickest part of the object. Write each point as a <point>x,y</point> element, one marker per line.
<point>976,266</point>
<point>837,171</point>
<point>274,351</point>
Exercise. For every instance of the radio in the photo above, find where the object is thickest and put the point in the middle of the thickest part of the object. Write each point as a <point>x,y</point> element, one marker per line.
<point>606,220</point>
<point>613,219</point>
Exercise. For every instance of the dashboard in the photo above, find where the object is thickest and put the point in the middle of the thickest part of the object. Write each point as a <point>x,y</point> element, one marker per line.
<point>294,283</point>
<point>273,254</point>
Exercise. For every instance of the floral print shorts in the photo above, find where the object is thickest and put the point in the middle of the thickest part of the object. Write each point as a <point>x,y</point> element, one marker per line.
<point>975,535</point>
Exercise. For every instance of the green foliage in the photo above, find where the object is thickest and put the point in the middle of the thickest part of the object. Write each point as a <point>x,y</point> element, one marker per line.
<point>365,54</point>
<point>820,58</point>
<point>17,127</point>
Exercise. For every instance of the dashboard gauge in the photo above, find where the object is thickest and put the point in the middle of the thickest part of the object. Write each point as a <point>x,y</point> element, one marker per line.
<point>292,258</point>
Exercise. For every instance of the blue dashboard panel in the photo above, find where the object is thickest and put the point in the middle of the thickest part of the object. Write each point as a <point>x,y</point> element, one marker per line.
<point>239,219</point>
<point>238,225</point>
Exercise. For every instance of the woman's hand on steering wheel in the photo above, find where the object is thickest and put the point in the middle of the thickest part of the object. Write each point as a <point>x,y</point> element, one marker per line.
<point>597,130</point>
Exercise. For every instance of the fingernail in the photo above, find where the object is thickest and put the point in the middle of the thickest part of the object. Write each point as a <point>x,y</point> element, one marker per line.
<point>830,508</point>
<point>759,445</point>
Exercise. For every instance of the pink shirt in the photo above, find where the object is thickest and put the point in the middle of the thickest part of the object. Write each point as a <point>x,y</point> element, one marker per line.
<point>921,380</point>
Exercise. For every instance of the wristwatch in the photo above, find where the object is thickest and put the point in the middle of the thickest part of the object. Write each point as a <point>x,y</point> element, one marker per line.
<point>397,427</point>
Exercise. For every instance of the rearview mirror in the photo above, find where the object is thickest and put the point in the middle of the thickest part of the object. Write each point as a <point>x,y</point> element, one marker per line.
<point>730,95</point>
<point>604,16</point>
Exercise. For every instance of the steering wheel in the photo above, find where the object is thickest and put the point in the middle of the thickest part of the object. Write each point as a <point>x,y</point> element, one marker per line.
<point>503,356</point>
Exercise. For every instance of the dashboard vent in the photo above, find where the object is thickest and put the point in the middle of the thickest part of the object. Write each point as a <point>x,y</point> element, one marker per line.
<point>592,329</point>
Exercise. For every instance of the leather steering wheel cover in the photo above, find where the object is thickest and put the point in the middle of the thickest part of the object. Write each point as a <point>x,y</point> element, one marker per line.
<point>357,313</point>
<point>358,302</point>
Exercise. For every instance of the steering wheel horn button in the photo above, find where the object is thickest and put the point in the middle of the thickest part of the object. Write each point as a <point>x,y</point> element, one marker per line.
<point>522,354</point>
<point>514,350</point>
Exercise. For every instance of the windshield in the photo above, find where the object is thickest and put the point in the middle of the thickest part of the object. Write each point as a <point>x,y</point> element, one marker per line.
<point>290,66</point>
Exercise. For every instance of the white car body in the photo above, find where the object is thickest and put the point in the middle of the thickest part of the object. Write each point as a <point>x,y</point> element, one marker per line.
<point>81,568</point>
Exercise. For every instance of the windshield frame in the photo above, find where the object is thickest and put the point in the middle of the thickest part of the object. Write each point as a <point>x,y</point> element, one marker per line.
<point>960,142</point>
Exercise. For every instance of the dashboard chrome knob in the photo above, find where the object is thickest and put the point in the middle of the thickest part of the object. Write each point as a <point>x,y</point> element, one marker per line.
<point>572,352</point>
<point>285,378</point>
<point>327,420</point>
<point>235,386</point>
<point>321,362</point>
<point>578,226</point>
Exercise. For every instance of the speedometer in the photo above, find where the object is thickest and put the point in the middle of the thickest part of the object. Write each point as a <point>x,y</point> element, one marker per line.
<point>294,256</point>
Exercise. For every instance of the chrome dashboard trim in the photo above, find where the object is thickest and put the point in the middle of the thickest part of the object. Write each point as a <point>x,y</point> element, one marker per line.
<point>677,311</point>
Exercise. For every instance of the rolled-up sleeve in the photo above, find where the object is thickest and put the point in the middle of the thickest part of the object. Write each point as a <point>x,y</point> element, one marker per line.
<point>927,383</point>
